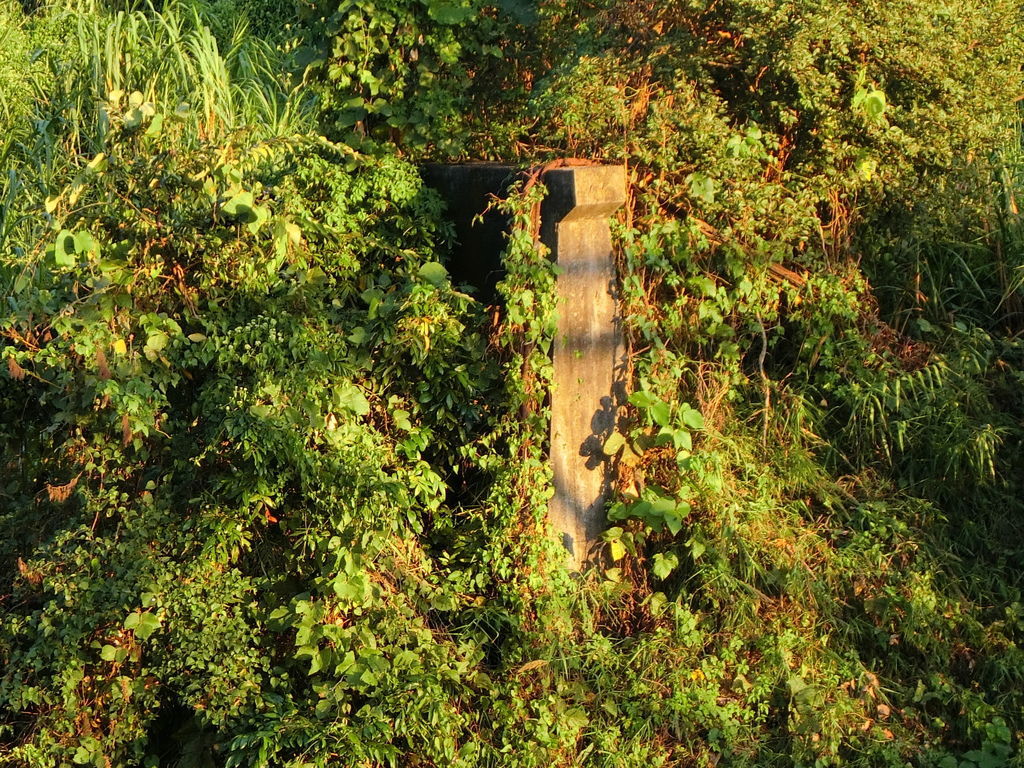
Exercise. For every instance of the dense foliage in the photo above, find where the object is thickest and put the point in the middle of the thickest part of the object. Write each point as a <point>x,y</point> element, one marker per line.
<point>273,488</point>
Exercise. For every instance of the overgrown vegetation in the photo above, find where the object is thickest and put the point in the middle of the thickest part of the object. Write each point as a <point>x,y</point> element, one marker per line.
<point>274,488</point>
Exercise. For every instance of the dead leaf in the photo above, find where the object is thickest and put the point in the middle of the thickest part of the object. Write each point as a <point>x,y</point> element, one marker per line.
<point>535,664</point>
<point>61,493</point>
<point>16,371</point>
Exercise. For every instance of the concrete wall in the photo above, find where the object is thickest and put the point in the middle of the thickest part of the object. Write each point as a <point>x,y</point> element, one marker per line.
<point>588,345</point>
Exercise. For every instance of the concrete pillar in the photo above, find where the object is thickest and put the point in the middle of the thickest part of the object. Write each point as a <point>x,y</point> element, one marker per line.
<point>587,350</point>
<point>574,224</point>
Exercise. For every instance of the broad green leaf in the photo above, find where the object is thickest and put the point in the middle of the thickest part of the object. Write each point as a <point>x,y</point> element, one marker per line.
<point>258,215</point>
<point>64,249</point>
<point>148,624</point>
<point>434,273</point>
<point>661,413</point>
<point>133,118</point>
<point>401,419</point>
<point>618,549</point>
<point>240,205</point>
<point>614,442</point>
<point>692,418</point>
<point>22,281</point>
<point>156,341</point>
<point>86,244</point>
<point>316,661</point>
<point>108,653</point>
<point>155,126</point>
<point>575,718</point>
<point>682,440</point>
<point>664,564</point>
<point>874,104</point>
<point>643,399</point>
<point>445,12</point>
<point>629,456</point>
<point>697,548</point>
<point>285,233</point>
<point>350,398</point>
<point>656,603</point>
<point>674,522</point>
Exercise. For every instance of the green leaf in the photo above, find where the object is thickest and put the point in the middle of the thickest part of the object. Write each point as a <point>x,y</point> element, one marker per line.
<point>874,104</point>
<point>156,125</point>
<point>400,418</point>
<point>702,187</point>
<point>661,413</point>
<point>98,164</point>
<point>108,653</point>
<point>796,685</point>
<point>157,341</point>
<point>643,399</point>
<point>449,12</point>
<point>434,273</point>
<point>664,564</point>
<point>64,249</point>
<point>22,281</point>
<point>259,214</point>
<point>133,118</point>
<point>147,625</point>
<point>86,244</point>
<point>350,398</point>
<point>697,548</point>
<point>612,445</point>
<point>682,440</point>
<point>285,233</point>
<point>674,522</point>
<point>692,417</point>
<point>656,603</point>
<point>618,549</point>
<point>240,205</point>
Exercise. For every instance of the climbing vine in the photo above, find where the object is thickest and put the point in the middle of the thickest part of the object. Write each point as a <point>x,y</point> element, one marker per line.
<point>273,484</point>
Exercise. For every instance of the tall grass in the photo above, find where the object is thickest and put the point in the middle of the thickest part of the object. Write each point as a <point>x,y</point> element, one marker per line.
<point>173,57</point>
<point>81,62</point>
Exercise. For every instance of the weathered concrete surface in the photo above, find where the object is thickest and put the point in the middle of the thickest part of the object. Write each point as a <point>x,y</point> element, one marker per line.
<point>574,224</point>
<point>587,350</point>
